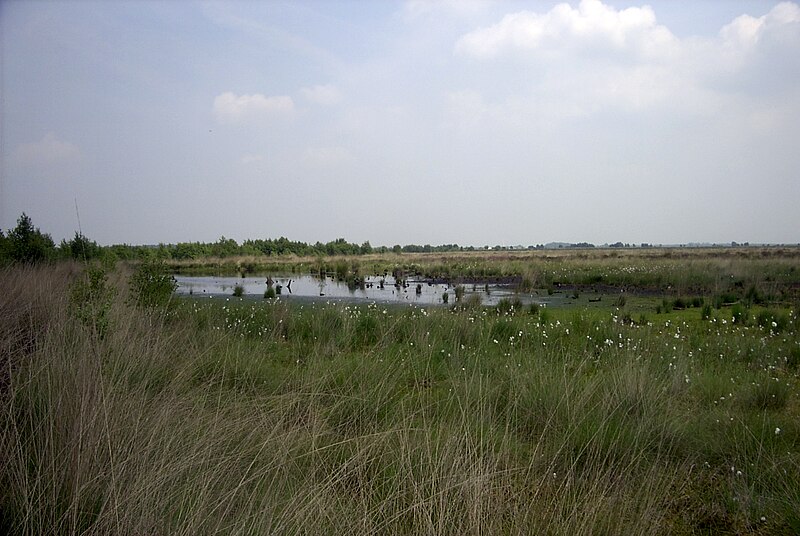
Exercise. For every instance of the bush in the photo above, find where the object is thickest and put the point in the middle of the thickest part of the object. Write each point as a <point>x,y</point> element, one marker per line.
<point>152,285</point>
<point>238,291</point>
<point>269,293</point>
<point>90,299</point>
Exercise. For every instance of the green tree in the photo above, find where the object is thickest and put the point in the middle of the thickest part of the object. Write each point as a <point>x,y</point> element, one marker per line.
<point>225,247</point>
<point>152,284</point>
<point>28,243</point>
<point>5,249</point>
<point>81,248</point>
<point>91,297</point>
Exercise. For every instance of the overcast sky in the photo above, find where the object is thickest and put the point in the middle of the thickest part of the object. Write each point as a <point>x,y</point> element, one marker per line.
<point>463,122</point>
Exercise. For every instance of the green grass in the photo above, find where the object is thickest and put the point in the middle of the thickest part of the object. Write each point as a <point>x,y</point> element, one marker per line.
<point>246,417</point>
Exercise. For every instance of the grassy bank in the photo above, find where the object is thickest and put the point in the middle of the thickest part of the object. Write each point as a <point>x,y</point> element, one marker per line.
<point>239,417</point>
<point>771,273</point>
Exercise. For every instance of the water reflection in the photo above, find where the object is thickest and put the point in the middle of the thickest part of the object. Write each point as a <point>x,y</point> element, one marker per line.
<point>385,289</point>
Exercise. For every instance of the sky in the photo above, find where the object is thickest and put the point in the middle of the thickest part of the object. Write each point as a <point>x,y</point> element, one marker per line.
<point>469,122</point>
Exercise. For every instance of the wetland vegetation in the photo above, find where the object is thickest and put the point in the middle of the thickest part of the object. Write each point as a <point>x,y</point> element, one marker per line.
<point>669,406</point>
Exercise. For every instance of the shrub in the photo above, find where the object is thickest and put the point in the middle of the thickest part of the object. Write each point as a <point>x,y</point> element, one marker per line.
<point>152,285</point>
<point>238,291</point>
<point>90,299</point>
<point>269,293</point>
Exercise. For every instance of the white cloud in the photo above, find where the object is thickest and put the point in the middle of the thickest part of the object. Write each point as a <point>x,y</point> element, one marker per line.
<point>325,95</point>
<point>595,57</point>
<point>230,108</point>
<point>48,150</point>
<point>751,55</point>
<point>590,27</point>
<point>746,31</point>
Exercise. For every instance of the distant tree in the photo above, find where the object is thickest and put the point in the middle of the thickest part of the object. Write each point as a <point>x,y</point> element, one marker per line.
<point>225,247</point>
<point>5,249</point>
<point>81,248</point>
<point>28,243</point>
<point>365,248</point>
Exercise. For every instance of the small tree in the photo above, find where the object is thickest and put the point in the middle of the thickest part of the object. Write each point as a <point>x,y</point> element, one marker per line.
<point>90,299</point>
<point>81,248</point>
<point>28,243</point>
<point>152,285</point>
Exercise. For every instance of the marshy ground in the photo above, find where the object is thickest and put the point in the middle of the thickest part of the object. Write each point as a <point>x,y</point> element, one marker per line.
<point>671,409</point>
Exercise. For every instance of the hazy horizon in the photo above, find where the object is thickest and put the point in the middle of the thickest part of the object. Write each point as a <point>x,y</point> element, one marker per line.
<point>468,122</point>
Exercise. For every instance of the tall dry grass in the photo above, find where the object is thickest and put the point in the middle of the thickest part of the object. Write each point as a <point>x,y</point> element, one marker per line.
<point>175,422</point>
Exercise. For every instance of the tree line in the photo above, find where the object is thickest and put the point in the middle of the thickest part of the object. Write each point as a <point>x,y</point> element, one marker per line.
<point>26,243</point>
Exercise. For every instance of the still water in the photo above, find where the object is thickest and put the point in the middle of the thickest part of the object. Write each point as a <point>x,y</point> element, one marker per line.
<point>373,289</point>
